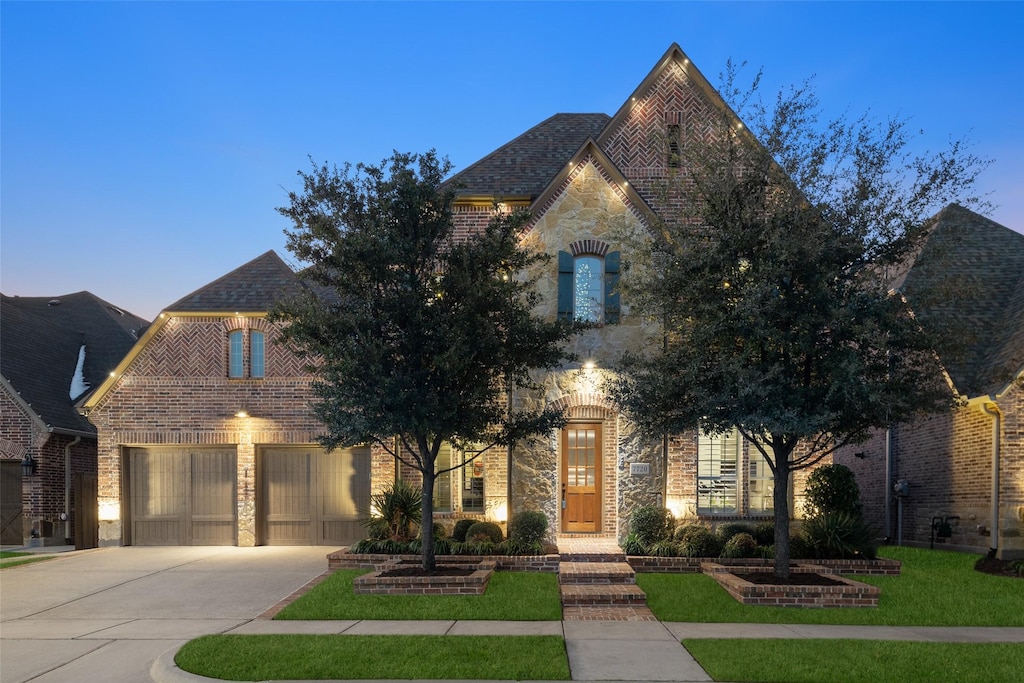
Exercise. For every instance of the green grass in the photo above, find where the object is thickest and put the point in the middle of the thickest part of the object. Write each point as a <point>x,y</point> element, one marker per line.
<point>935,588</point>
<point>306,657</point>
<point>9,558</point>
<point>857,661</point>
<point>510,596</point>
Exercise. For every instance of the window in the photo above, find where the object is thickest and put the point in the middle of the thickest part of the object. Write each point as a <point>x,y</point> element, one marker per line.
<point>256,352</point>
<point>469,478</point>
<point>587,287</point>
<point>237,355</point>
<point>673,145</point>
<point>236,367</point>
<point>761,484</point>
<point>716,473</point>
<point>472,482</point>
<point>443,483</point>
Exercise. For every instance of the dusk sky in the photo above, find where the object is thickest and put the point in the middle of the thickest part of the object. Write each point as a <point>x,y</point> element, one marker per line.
<point>145,145</point>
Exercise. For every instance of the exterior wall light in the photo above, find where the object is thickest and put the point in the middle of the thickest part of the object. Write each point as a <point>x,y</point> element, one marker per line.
<point>28,466</point>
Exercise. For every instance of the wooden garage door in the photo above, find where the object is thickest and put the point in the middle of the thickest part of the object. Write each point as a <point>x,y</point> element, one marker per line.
<point>182,496</point>
<point>309,497</point>
<point>11,531</point>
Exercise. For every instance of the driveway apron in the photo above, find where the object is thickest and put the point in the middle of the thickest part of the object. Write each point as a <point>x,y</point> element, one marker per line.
<point>107,614</point>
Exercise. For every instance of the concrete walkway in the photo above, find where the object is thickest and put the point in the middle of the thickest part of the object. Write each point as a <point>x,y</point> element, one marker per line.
<point>117,615</point>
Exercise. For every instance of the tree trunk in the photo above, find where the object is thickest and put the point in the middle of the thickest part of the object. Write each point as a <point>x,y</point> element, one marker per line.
<point>427,521</point>
<point>781,501</point>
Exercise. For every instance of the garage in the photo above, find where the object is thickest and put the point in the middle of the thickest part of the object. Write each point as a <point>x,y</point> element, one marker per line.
<point>181,496</point>
<point>310,497</point>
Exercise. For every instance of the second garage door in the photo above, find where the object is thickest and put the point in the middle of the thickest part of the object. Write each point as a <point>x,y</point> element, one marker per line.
<point>310,497</point>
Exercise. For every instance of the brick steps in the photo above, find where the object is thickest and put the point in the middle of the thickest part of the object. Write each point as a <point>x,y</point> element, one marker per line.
<point>600,586</point>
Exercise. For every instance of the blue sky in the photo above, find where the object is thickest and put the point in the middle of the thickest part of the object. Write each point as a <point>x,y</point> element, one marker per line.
<point>145,146</point>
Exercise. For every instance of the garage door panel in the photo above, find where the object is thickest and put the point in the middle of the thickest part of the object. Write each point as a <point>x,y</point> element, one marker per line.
<point>309,496</point>
<point>181,496</point>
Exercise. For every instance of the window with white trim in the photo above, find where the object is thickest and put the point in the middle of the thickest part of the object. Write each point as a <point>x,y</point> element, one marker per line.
<point>588,286</point>
<point>733,478</point>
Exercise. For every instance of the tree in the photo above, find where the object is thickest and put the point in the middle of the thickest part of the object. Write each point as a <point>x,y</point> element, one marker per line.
<point>772,285</point>
<point>415,338</point>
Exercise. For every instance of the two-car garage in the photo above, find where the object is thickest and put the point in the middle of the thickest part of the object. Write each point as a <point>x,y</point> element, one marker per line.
<point>301,495</point>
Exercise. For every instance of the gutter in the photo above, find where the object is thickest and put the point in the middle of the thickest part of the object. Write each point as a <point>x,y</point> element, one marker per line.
<point>991,409</point>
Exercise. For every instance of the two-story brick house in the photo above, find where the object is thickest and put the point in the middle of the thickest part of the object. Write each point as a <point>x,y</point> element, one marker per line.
<point>205,431</point>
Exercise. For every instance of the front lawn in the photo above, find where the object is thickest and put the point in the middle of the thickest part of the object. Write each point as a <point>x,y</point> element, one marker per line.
<point>510,596</point>
<point>306,657</point>
<point>936,588</point>
<point>10,558</point>
<point>857,661</point>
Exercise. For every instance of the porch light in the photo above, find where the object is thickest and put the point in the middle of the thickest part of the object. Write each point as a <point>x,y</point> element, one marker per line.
<point>109,511</point>
<point>590,365</point>
<point>242,413</point>
<point>28,466</point>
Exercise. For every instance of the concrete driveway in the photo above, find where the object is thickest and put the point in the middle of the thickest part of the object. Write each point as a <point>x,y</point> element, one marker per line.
<point>107,614</point>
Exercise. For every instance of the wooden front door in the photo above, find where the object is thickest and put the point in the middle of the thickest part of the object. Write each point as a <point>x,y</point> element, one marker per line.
<point>581,477</point>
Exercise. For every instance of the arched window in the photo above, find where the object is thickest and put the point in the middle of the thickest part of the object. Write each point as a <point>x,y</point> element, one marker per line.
<point>587,287</point>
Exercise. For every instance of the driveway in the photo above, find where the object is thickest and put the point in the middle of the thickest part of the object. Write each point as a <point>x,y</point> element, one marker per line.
<point>107,614</point>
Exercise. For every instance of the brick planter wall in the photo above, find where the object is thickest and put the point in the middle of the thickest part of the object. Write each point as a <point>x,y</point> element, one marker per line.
<point>850,594</point>
<point>473,584</point>
<point>692,565</point>
<point>342,559</point>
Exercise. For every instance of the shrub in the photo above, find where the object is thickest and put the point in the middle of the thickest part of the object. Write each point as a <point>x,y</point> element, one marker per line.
<point>664,548</point>
<point>385,546</point>
<point>484,530</point>
<point>632,545</point>
<point>398,510</point>
<point>799,548</point>
<point>528,527</point>
<point>764,533</point>
<point>832,488</point>
<point>517,547</point>
<point>729,529</point>
<point>651,524</point>
<point>439,531</point>
<point>766,552</point>
<point>700,542</point>
<point>461,527</point>
<point>684,530</point>
<point>740,545</point>
<point>838,535</point>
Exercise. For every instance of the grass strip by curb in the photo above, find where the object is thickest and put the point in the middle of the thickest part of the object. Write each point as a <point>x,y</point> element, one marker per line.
<point>318,657</point>
<point>856,661</point>
<point>10,558</point>
<point>510,596</point>
<point>935,588</point>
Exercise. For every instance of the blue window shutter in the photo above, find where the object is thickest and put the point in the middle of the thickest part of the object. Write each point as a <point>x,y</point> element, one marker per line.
<point>565,281</point>
<point>611,286</point>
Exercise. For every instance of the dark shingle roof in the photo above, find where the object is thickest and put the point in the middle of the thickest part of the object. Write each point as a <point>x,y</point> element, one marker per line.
<point>40,345</point>
<point>253,287</point>
<point>983,263</point>
<point>524,166</point>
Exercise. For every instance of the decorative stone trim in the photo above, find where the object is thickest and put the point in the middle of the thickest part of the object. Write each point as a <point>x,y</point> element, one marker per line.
<point>589,246</point>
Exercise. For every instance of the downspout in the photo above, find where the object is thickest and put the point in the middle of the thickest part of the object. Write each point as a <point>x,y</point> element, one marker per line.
<point>67,487</point>
<point>887,486</point>
<point>992,409</point>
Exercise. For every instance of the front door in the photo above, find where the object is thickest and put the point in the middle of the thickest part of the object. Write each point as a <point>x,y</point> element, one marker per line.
<point>581,477</point>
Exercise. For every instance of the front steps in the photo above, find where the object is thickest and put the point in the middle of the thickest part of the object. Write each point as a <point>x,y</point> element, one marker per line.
<point>600,586</point>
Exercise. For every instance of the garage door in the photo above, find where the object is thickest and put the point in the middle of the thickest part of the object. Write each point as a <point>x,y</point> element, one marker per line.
<point>310,497</point>
<point>182,496</point>
<point>11,531</point>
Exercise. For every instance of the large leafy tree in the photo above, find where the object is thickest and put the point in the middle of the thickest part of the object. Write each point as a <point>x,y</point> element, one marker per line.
<point>772,285</point>
<point>415,337</point>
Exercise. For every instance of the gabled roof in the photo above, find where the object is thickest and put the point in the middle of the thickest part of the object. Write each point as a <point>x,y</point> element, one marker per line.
<point>985,261</point>
<point>40,346</point>
<point>523,167</point>
<point>253,287</point>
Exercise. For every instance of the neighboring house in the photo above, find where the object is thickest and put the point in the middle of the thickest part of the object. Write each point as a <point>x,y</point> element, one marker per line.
<point>967,465</point>
<point>205,431</point>
<point>52,351</point>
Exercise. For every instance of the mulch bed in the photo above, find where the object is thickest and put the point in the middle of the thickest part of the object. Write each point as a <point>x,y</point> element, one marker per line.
<point>990,565</point>
<point>795,579</point>
<point>440,570</point>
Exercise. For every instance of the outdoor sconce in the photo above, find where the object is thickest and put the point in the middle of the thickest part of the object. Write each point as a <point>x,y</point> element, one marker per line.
<point>28,466</point>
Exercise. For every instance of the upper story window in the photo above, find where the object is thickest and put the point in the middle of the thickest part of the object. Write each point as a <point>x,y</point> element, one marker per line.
<point>588,278</point>
<point>237,354</point>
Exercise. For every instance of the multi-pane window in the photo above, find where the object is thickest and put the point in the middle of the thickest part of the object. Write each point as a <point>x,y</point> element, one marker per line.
<point>472,482</point>
<point>237,355</point>
<point>717,463</point>
<point>588,289</point>
<point>760,484</point>
<point>470,476</point>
